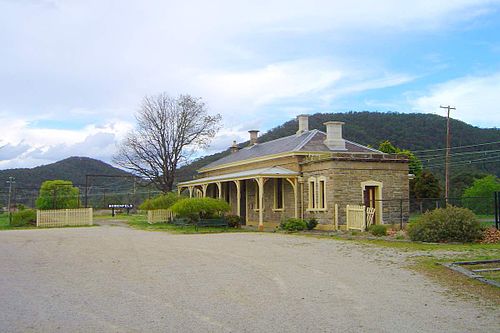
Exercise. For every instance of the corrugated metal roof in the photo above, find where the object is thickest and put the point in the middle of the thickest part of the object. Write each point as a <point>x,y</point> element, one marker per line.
<point>310,141</point>
<point>271,171</point>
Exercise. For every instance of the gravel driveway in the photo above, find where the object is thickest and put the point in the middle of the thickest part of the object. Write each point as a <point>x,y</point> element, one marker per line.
<point>116,279</point>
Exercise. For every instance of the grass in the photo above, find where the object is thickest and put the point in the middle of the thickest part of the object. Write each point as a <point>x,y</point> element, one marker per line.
<point>139,221</point>
<point>457,283</point>
<point>428,258</point>
<point>4,223</point>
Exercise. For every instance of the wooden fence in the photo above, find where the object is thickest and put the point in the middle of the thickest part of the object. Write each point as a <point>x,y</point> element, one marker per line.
<point>160,215</point>
<point>356,217</point>
<point>64,217</point>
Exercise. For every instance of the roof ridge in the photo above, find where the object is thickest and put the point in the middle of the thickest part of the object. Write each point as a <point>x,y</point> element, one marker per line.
<point>306,140</point>
<point>360,145</point>
<point>278,139</point>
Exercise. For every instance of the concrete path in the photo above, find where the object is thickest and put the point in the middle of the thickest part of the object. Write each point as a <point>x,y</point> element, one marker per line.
<point>112,279</point>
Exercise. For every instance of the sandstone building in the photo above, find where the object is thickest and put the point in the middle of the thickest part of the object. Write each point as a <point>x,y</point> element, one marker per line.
<point>308,174</point>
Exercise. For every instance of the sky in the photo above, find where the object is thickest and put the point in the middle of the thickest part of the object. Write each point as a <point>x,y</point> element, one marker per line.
<point>73,73</point>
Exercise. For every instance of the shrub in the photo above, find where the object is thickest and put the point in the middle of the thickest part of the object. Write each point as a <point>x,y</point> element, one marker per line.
<point>446,224</point>
<point>200,208</point>
<point>311,223</point>
<point>377,230</point>
<point>162,201</point>
<point>293,224</point>
<point>23,218</point>
<point>233,221</point>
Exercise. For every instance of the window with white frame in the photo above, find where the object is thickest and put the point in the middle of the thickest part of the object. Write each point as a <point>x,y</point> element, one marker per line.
<point>312,192</point>
<point>317,193</point>
<point>321,193</point>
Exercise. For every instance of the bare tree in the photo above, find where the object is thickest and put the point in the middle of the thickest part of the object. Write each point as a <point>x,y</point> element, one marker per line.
<point>169,130</point>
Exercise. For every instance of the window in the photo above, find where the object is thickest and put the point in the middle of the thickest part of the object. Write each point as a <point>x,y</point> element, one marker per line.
<point>312,193</point>
<point>227,192</point>
<point>321,194</point>
<point>278,193</point>
<point>317,193</point>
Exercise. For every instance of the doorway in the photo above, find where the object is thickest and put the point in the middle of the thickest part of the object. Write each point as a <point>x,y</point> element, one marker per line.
<point>372,197</point>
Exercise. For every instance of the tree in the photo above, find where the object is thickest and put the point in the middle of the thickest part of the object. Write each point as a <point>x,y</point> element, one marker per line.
<point>479,197</point>
<point>414,164</point>
<point>169,130</point>
<point>425,185</point>
<point>58,194</point>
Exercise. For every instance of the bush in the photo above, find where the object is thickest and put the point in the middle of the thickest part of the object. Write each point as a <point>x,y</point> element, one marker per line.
<point>377,230</point>
<point>23,218</point>
<point>200,208</point>
<point>233,221</point>
<point>311,223</point>
<point>293,224</point>
<point>162,201</point>
<point>451,224</point>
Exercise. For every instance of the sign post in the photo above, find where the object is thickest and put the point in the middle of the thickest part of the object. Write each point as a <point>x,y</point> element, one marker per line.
<point>113,206</point>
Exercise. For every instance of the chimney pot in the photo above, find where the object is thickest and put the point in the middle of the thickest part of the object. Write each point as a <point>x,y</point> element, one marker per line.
<point>334,139</point>
<point>303,121</point>
<point>253,137</point>
<point>234,147</point>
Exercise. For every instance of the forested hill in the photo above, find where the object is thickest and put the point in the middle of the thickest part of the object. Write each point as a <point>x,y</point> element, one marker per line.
<point>414,131</point>
<point>73,169</point>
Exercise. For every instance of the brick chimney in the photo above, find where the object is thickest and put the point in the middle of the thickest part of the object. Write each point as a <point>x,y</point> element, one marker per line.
<point>303,121</point>
<point>234,147</point>
<point>253,136</point>
<point>334,139</point>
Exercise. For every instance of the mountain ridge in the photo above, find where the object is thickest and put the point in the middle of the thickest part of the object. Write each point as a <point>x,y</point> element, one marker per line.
<point>413,131</point>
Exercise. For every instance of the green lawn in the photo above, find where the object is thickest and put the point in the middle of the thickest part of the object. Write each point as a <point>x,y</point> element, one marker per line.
<point>4,223</point>
<point>139,221</point>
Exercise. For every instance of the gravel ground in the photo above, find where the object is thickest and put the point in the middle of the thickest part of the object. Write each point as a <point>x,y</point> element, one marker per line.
<point>116,279</point>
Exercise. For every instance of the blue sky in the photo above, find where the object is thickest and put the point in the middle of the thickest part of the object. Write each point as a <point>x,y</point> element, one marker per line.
<point>72,73</point>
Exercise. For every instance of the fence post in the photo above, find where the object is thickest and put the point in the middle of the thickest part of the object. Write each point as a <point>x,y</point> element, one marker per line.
<point>336,217</point>
<point>347,216</point>
<point>401,214</point>
<point>37,217</point>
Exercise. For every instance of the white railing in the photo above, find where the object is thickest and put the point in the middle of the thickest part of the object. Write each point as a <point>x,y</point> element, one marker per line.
<point>64,217</point>
<point>160,215</point>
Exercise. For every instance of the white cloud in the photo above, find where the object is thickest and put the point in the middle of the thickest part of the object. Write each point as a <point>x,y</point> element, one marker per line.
<point>475,97</point>
<point>88,64</point>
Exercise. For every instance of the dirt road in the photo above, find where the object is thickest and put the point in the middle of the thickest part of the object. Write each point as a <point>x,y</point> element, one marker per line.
<point>115,279</point>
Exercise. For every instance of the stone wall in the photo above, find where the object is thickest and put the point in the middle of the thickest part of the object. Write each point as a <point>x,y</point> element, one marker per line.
<point>344,186</point>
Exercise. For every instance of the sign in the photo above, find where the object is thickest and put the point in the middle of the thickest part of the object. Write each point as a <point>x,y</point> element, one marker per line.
<point>128,206</point>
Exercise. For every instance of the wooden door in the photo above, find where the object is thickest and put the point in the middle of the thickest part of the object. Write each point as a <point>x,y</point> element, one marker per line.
<point>369,198</point>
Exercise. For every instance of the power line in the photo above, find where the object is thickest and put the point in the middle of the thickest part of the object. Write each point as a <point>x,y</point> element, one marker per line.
<point>457,147</point>
<point>433,157</point>
<point>481,160</point>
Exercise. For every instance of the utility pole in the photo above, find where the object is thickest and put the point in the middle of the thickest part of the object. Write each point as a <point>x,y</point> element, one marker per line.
<point>447,156</point>
<point>11,181</point>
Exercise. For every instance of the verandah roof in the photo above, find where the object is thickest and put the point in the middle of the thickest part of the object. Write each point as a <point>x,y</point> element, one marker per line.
<point>274,172</point>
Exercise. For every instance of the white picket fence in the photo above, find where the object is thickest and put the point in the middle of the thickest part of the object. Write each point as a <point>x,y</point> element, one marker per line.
<point>359,217</point>
<point>64,217</point>
<point>160,215</point>
<point>356,217</point>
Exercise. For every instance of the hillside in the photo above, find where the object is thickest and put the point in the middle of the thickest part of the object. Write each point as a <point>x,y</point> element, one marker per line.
<point>414,131</point>
<point>72,168</point>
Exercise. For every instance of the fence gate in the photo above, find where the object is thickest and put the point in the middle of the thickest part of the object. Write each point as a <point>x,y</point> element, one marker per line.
<point>160,215</point>
<point>370,216</point>
<point>356,217</point>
